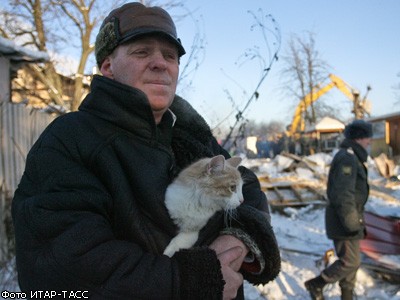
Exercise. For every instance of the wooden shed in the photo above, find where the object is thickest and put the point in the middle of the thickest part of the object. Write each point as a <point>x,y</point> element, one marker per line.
<point>326,134</point>
<point>386,135</point>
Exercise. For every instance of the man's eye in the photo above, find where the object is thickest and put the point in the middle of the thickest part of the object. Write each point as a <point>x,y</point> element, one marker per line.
<point>140,52</point>
<point>171,56</point>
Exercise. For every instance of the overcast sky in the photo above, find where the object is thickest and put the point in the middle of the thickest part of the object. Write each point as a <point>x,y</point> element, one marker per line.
<point>359,39</point>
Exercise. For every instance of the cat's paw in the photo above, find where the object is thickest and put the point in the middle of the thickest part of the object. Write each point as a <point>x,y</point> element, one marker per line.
<point>184,240</point>
<point>169,251</point>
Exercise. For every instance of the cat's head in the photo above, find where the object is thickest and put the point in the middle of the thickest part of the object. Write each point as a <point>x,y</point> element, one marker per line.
<point>219,180</point>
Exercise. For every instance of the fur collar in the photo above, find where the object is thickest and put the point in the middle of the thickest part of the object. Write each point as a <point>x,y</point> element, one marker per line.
<point>191,137</point>
<point>359,150</point>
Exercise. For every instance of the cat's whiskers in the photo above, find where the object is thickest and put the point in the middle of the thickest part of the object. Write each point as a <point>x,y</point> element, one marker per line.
<point>229,216</point>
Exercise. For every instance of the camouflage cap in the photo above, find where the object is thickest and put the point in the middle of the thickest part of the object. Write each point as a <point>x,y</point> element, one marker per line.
<point>131,21</point>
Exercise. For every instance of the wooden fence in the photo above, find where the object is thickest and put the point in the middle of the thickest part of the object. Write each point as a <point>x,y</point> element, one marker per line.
<point>19,129</point>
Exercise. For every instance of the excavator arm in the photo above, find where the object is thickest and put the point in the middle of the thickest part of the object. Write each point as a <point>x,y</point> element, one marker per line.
<point>298,120</point>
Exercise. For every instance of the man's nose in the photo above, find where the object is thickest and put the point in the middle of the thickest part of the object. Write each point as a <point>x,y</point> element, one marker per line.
<point>158,61</point>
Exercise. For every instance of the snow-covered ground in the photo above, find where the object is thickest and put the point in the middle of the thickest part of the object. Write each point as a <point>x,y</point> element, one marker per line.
<point>303,229</point>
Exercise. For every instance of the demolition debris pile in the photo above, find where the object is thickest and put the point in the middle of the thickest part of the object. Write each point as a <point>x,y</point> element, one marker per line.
<point>296,189</point>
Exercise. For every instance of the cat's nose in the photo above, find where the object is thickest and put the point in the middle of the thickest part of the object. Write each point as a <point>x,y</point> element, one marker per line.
<point>241,200</point>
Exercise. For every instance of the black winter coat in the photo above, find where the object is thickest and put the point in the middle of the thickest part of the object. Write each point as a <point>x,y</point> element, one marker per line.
<point>347,191</point>
<point>89,212</point>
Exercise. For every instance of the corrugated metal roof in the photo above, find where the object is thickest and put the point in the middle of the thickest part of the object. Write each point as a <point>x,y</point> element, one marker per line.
<point>387,117</point>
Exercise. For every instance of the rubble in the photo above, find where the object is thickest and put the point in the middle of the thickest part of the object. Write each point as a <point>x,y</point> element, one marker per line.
<point>291,181</point>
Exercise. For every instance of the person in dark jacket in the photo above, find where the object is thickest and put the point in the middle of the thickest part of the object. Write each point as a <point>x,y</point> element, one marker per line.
<point>347,193</point>
<point>89,212</point>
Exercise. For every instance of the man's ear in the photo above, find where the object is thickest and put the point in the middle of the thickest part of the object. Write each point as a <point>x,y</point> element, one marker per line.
<point>106,68</point>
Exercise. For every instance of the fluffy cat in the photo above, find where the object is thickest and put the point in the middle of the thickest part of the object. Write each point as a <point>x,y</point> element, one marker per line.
<point>199,191</point>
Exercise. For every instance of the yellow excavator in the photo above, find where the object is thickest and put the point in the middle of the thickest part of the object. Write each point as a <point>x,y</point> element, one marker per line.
<point>360,106</point>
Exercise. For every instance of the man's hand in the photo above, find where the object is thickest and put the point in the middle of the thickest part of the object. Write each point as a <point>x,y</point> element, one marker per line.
<point>231,253</point>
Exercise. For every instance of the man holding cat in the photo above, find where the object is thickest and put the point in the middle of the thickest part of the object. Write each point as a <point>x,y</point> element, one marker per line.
<point>89,212</point>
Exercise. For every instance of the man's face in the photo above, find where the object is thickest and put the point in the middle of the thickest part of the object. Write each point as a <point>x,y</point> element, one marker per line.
<point>150,64</point>
<point>365,142</point>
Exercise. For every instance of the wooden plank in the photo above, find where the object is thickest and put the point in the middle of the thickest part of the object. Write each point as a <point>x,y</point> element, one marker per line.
<point>297,193</point>
<point>288,194</point>
<point>383,223</point>
<point>317,192</point>
<point>377,234</point>
<point>383,234</point>
<point>278,193</point>
<point>382,193</point>
<point>379,247</point>
<point>294,204</point>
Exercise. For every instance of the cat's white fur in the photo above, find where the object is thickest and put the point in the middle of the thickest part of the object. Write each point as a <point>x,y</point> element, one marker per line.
<point>199,191</point>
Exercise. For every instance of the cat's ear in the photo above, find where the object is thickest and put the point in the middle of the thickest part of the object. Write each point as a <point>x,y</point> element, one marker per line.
<point>216,165</point>
<point>234,161</point>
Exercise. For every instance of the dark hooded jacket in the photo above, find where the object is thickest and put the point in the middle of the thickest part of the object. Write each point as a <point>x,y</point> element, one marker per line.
<point>347,191</point>
<point>89,212</point>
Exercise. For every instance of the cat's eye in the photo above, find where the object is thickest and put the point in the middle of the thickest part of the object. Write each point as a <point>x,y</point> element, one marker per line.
<point>232,188</point>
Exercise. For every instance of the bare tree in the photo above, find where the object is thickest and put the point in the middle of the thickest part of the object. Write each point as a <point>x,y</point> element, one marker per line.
<point>270,129</point>
<point>65,28</point>
<point>48,26</point>
<point>266,55</point>
<point>303,71</point>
